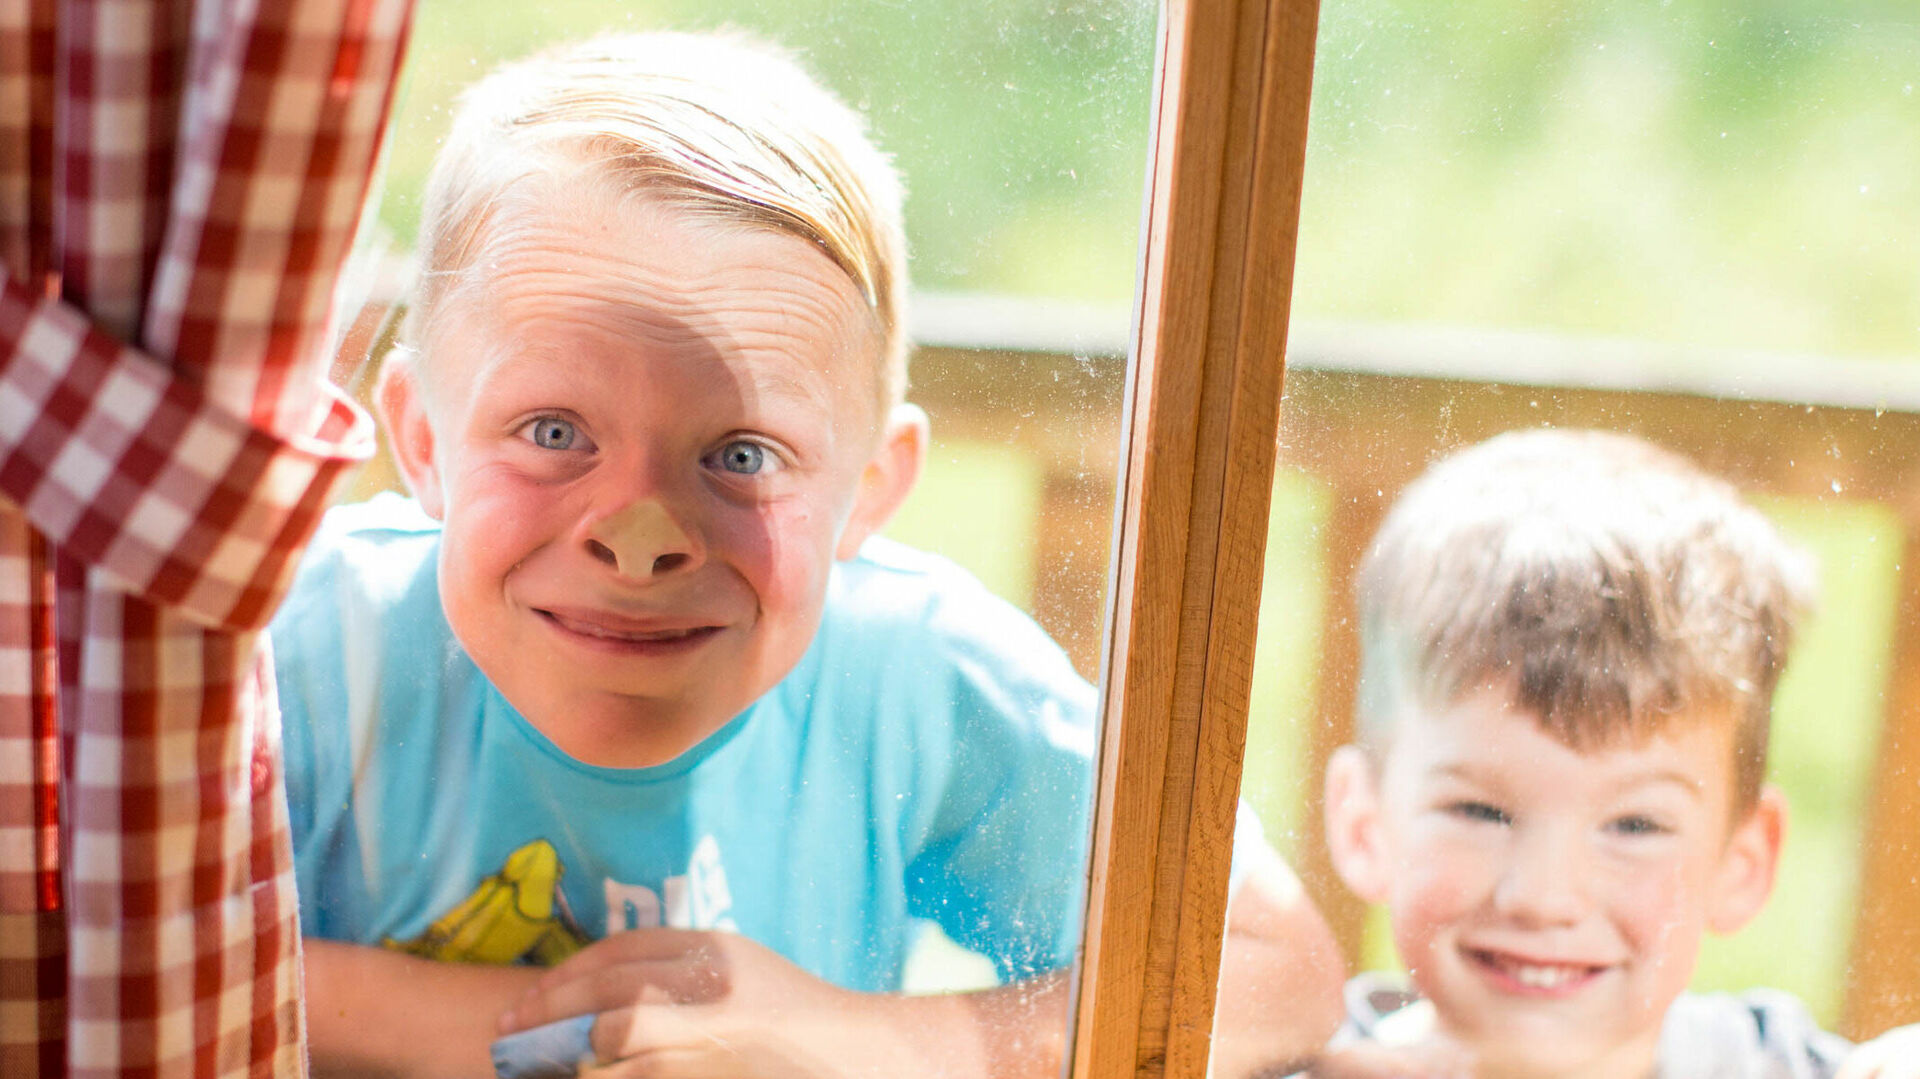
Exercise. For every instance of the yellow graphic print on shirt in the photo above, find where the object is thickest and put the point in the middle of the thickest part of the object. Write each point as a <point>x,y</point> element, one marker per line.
<point>515,915</point>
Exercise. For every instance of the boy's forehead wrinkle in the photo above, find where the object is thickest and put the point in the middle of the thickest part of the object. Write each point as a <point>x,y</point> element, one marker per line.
<point>756,379</point>
<point>624,302</point>
<point>648,279</point>
<point>748,306</point>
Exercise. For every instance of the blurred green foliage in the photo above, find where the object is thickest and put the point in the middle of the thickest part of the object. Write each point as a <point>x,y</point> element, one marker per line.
<point>1020,127</point>
<point>1719,172</point>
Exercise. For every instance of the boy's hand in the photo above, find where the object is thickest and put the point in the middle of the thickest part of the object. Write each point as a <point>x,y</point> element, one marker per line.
<point>675,1003</point>
<point>1893,1055</point>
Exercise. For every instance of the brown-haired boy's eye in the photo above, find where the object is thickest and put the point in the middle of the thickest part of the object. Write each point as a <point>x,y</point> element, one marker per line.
<point>1637,824</point>
<point>1480,811</point>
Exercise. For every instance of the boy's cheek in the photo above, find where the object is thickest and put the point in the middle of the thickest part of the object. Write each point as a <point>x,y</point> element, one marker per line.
<point>785,548</point>
<point>1430,897</point>
<point>1660,899</point>
<point>484,530</point>
<point>1442,858</point>
<point>1440,891</point>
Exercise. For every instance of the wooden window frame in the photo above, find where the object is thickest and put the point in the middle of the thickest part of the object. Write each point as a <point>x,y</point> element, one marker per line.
<point>1228,152</point>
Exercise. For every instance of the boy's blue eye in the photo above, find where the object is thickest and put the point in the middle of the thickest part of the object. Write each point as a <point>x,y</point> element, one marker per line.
<point>553,433</point>
<point>743,457</point>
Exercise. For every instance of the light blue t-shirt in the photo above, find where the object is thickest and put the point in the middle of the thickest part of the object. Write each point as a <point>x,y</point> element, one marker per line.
<point>930,757</point>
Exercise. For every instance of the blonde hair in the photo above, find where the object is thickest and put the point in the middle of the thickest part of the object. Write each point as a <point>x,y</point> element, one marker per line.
<point>1607,583</point>
<point>713,124</point>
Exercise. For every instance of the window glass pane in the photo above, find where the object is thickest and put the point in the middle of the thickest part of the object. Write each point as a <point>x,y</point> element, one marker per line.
<point>1692,221</point>
<point>954,777</point>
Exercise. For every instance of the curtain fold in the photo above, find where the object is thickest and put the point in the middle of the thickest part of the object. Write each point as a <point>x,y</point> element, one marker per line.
<point>180,181</point>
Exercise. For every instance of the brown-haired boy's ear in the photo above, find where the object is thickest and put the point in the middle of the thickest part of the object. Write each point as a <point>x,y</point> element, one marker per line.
<point>1744,878</point>
<point>400,400</point>
<point>887,479</point>
<point>1354,839</point>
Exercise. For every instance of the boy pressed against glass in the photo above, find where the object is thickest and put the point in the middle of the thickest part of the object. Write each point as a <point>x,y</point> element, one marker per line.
<point>1570,643</point>
<point>631,669</point>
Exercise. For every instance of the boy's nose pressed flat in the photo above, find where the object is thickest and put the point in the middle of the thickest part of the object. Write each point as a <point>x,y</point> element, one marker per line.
<point>642,540</point>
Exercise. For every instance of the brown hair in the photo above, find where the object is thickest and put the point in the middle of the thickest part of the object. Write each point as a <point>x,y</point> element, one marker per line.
<point>1610,584</point>
<point>713,124</point>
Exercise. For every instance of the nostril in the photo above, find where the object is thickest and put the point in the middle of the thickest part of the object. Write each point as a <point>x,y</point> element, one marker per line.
<point>603,552</point>
<point>667,563</point>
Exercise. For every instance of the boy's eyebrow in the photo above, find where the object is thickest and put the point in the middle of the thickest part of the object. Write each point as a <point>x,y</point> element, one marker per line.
<point>1469,771</point>
<point>771,381</point>
<point>1692,784</point>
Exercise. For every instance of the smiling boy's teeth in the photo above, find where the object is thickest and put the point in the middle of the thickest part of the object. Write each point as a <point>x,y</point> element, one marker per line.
<point>1539,977</point>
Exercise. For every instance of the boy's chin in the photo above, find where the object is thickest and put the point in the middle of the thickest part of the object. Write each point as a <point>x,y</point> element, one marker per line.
<point>625,734</point>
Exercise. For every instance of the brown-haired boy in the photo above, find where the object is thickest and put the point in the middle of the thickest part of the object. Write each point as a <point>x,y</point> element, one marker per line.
<point>1570,645</point>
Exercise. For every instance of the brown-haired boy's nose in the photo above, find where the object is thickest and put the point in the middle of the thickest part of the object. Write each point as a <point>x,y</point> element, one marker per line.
<point>1542,884</point>
<point>643,540</point>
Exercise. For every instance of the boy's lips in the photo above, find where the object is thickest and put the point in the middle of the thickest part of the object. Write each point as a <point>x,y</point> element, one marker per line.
<point>1534,976</point>
<point>627,634</point>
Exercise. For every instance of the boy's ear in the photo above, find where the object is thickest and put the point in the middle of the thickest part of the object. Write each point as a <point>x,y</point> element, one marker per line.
<point>1354,839</point>
<point>889,475</point>
<point>1744,879</point>
<point>399,399</point>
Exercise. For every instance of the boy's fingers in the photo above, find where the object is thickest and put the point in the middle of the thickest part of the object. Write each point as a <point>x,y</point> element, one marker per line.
<point>635,945</point>
<point>621,1035</point>
<point>654,1041</point>
<point>668,1064</point>
<point>665,946</point>
<point>610,989</point>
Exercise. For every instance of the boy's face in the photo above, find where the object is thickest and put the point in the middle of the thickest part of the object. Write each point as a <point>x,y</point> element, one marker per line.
<point>649,436</point>
<point>1550,902</point>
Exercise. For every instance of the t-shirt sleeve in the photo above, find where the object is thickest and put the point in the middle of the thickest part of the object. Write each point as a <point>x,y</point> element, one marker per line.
<point>1001,866</point>
<point>305,640</point>
<point>356,606</point>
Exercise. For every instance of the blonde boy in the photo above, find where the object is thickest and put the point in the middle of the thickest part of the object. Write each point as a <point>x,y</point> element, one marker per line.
<point>628,690</point>
<point>1570,646</point>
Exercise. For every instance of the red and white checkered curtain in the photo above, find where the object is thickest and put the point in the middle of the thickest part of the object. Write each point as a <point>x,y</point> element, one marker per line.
<point>179,185</point>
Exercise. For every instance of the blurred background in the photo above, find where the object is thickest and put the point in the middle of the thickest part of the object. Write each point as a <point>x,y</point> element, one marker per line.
<point>1694,219</point>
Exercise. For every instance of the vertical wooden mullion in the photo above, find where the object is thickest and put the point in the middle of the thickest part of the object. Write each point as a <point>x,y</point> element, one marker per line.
<point>1229,148</point>
<point>1265,206</point>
